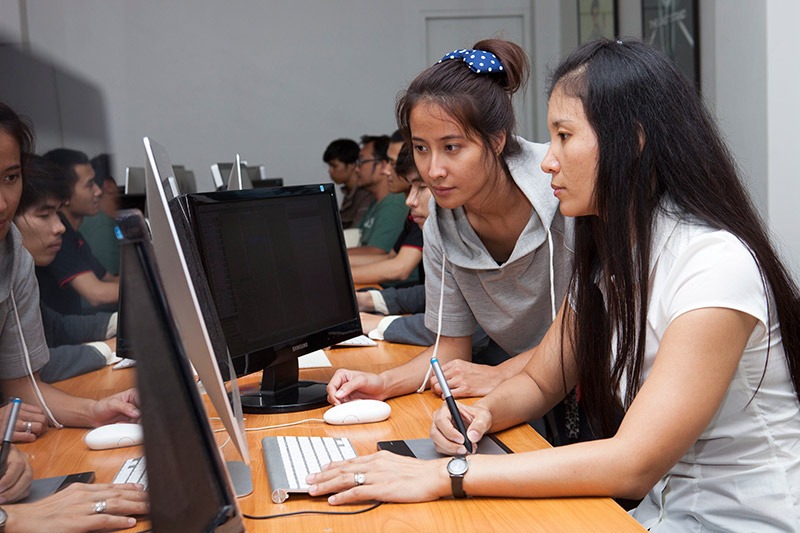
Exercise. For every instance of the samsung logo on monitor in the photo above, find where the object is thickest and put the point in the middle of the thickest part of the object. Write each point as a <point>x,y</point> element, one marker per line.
<point>300,346</point>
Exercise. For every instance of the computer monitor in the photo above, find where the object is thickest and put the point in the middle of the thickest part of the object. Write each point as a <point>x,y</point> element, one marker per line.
<point>277,269</point>
<point>185,179</point>
<point>181,294</point>
<point>257,172</point>
<point>267,182</point>
<point>189,488</point>
<point>239,178</point>
<point>134,180</point>
<point>223,176</point>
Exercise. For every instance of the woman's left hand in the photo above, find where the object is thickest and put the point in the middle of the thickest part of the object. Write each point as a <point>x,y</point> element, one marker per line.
<point>386,477</point>
<point>468,380</point>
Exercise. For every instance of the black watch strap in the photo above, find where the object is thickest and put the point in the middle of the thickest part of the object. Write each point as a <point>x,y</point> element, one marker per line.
<point>457,467</point>
<point>457,483</point>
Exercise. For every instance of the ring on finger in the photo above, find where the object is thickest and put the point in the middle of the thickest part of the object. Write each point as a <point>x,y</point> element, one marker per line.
<point>100,507</point>
<point>28,427</point>
<point>360,478</point>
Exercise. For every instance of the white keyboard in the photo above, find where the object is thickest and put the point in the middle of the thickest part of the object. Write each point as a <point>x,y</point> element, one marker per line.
<point>361,340</point>
<point>290,459</point>
<point>132,471</point>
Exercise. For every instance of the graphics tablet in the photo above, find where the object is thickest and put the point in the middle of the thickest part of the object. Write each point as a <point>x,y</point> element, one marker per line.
<point>424,449</point>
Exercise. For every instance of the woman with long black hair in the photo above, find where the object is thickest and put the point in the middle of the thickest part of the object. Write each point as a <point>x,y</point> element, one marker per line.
<point>679,314</point>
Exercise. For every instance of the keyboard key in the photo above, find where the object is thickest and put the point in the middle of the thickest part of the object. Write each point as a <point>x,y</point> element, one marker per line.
<point>290,459</point>
<point>132,471</point>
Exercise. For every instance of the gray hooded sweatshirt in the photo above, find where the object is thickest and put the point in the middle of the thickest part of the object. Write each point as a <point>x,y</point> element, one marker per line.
<point>513,302</point>
<point>17,278</point>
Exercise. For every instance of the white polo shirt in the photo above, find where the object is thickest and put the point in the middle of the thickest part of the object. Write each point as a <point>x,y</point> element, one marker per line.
<point>743,473</point>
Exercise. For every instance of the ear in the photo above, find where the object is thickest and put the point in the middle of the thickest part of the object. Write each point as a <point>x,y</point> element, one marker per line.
<point>499,143</point>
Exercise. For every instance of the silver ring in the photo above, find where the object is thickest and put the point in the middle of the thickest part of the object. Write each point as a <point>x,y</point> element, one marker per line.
<point>99,507</point>
<point>28,428</point>
<point>359,478</point>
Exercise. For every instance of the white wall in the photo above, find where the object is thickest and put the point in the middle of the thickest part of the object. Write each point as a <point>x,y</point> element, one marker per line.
<point>783,127</point>
<point>273,81</point>
<point>276,81</point>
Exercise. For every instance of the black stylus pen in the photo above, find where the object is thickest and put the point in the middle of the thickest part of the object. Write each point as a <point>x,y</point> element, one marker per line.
<point>451,403</point>
<point>9,434</point>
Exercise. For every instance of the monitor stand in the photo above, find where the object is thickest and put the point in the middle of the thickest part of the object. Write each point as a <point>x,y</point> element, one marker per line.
<point>282,392</point>
<point>240,476</point>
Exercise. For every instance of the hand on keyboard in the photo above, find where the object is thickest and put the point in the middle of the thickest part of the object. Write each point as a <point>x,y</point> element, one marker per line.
<point>290,459</point>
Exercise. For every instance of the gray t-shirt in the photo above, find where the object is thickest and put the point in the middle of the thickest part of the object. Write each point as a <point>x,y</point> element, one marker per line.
<point>512,302</point>
<point>17,277</point>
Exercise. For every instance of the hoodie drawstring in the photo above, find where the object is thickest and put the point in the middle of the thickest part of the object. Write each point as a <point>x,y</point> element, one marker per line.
<point>55,422</point>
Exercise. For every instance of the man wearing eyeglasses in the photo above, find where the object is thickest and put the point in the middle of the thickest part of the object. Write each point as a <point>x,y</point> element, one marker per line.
<point>383,221</point>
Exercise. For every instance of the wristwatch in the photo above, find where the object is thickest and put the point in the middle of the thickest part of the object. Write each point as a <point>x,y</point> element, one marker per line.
<point>3,518</point>
<point>457,467</point>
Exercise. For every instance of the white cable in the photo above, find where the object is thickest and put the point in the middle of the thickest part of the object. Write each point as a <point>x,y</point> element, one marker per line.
<point>552,281</point>
<point>55,422</point>
<point>438,325</point>
<point>226,442</point>
<point>285,425</point>
<point>273,427</point>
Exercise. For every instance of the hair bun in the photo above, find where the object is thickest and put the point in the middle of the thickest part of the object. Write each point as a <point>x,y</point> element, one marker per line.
<point>514,59</point>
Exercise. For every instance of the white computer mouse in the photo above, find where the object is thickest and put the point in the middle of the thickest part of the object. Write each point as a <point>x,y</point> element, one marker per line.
<point>114,436</point>
<point>357,412</point>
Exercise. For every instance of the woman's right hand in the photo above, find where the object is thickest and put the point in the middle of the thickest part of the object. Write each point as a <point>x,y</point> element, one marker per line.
<point>15,482</point>
<point>347,385</point>
<point>72,509</point>
<point>27,413</point>
<point>449,440</point>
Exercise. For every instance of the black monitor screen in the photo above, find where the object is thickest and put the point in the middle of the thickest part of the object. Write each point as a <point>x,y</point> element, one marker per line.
<point>275,267</point>
<point>273,280</point>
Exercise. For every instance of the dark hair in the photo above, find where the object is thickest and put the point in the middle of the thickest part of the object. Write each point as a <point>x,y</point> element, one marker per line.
<point>396,137</point>
<point>656,141</point>
<point>345,150</point>
<point>405,165</point>
<point>67,159</point>
<point>20,129</point>
<point>380,145</point>
<point>43,180</point>
<point>480,103</point>
<point>102,169</point>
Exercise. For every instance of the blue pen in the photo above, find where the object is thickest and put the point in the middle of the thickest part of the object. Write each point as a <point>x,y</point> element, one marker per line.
<point>451,403</point>
<point>9,434</point>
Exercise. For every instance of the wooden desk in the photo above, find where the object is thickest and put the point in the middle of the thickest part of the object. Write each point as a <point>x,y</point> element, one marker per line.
<point>63,451</point>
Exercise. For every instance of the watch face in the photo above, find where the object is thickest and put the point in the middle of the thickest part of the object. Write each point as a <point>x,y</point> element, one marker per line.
<point>457,466</point>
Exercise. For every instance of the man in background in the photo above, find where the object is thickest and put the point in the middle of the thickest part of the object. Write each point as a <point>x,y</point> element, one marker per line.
<point>98,230</point>
<point>384,220</point>
<point>341,156</point>
<point>76,272</point>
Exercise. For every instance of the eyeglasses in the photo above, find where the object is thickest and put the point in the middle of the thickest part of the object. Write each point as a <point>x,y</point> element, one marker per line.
<point>360,162</point>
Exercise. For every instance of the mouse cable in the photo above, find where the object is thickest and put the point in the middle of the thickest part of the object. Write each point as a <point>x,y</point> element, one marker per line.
<point>267,517</point>
<point>370,508</point>
<point>285,425</point>
<point>277,426</point>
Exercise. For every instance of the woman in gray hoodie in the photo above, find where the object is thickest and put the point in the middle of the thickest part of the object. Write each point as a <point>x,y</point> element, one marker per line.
<point>497,251</point>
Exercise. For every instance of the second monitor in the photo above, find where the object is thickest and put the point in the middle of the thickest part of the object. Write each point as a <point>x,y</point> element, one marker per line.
<point>277,270</point>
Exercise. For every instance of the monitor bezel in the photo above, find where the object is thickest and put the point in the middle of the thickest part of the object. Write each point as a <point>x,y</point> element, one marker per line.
<point>279,360</point>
